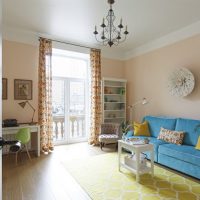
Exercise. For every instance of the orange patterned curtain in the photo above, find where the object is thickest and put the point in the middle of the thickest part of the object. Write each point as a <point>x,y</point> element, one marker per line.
<point>95,60</point>
<point>45,95</point>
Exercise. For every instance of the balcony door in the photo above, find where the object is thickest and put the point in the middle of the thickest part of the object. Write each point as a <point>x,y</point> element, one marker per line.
<point>77,116</point>
<point>69,110</point>
<point>70,97</point>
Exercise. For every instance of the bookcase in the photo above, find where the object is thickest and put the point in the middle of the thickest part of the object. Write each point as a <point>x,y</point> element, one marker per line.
<point>113,100</point>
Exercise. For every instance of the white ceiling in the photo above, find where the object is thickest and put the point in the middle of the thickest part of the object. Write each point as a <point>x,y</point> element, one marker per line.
<point>74,20</point>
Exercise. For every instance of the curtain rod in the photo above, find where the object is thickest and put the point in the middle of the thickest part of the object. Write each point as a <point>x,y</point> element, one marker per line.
<point>78,45</point>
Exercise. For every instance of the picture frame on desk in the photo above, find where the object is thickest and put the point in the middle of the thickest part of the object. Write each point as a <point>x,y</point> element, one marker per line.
<point>4,88</point>
<point>22,89</point>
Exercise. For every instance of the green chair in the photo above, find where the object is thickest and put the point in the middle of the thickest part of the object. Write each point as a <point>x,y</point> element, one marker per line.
<point>24,136</point>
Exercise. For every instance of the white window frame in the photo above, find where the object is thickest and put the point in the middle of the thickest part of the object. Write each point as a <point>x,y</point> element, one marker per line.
<point>67,101</point>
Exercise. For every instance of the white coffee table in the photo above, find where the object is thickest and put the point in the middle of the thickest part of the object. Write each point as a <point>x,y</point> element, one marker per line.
<point>137,149</point>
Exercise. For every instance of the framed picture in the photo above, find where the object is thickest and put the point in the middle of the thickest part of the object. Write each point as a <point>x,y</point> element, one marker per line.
<point>22,89</point>
<point>4,88</point>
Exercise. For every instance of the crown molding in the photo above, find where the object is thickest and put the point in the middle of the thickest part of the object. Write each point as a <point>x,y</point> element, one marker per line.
<point>29,37</point>
<point>20,35</point>
<point>184,33</point>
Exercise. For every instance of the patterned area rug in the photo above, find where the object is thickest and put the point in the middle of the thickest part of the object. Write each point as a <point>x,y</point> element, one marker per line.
<point>100,178</point>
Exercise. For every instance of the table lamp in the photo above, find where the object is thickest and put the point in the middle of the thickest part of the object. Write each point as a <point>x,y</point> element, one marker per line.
<point>142,102</point>
<point>23,104</point>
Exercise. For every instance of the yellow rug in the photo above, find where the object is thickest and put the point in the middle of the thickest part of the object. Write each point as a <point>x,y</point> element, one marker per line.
<point>100,178</point>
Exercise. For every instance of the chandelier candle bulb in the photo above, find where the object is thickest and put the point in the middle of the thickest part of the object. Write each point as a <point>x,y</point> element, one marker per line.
<point>126,32</point>
<point>95,32</point>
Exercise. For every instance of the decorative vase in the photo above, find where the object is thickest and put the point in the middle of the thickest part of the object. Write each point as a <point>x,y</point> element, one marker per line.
<point>124,136</point>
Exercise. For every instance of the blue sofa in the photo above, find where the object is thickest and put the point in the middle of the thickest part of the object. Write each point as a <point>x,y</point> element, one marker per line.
<point>184,158</point>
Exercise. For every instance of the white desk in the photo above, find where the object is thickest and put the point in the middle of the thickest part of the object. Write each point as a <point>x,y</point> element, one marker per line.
<point>33,129</point>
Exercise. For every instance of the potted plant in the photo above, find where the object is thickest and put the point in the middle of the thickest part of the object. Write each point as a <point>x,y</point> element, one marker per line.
<point>125,126</point>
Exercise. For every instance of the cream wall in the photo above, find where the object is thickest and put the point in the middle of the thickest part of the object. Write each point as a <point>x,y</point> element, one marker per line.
<point>112,68</point>
<point>20,61</point>
<point>146,74</point>
<point>147,77</point>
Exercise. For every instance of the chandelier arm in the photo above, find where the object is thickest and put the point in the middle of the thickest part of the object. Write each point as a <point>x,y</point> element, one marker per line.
<point>116,41</point>
<point>124,36</point>
<point>123,39</point>
<point>97,39</point>
<point>103,42</point>
<point>120,41</point>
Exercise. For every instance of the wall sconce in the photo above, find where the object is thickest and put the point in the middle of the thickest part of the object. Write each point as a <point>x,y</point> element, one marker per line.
<point>23,104</point>
<point>141,102</point>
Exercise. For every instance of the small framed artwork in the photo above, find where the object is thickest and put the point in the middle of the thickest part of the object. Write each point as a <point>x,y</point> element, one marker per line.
<point>22,89</point>
<point>4,88</point>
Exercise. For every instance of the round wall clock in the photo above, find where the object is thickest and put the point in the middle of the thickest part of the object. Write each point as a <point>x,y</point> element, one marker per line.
<point>181,82</point>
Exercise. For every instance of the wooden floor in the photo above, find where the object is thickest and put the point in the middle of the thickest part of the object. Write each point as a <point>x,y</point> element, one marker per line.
<point>44,178</point>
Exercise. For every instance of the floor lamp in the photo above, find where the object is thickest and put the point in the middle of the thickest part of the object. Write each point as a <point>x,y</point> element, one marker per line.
<point>131,107</point>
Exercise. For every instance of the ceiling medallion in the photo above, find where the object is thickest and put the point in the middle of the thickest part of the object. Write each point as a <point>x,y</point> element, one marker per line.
<point>181,82</point>
<point>110,34</point>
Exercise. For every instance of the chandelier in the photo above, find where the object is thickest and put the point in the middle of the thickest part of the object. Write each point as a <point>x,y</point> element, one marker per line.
<point>110,34</point>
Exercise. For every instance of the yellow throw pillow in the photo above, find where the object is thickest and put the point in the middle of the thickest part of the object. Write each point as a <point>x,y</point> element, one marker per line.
<point>198,144</point>
<point>141,129</point>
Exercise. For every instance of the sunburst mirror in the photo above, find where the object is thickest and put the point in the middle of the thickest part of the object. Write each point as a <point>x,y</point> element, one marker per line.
<point>181,82</point>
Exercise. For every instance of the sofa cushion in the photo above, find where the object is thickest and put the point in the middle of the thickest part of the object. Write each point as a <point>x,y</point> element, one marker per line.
<point>188,126</point>
<point>141,129</point>
<point>175,137</point>
<point>155,143</point>
<point>184,152</point>
<point>185,167</point>
<point>155,123</point>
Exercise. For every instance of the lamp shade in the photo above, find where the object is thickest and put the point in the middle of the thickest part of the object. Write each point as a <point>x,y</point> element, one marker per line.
<point>144,101</point>
<point>22,104</point>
